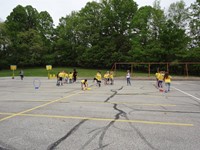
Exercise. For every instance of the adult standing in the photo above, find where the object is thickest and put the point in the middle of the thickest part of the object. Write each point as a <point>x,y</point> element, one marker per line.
<point>21,74</point>
<point>75,75</point>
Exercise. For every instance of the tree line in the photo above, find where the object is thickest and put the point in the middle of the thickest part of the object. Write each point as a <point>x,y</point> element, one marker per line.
<point>102,33</point>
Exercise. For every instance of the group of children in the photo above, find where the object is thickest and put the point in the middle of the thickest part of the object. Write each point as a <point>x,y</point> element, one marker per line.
<point>64,77</point>
<point>161,77</point>
<point>108,78</point>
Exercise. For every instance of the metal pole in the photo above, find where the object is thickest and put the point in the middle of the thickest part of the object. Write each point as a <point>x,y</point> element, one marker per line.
<point>186,69</point>
<point>115,69</point>
<point>13,75</point>
<point>132,69</point>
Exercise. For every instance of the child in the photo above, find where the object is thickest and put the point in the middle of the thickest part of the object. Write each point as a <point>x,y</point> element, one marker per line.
<point>58,79</point>
<point>66,77</point>
<point>106,77</point>
<point>98,78</point>
<point>84,84</point>
<point>157,74</point>
<point>61,76</point>
<point>160,79</point>
<point>128,78</point>
<point>111,78</point>
<point>70,77</point>
<point>167,80</point>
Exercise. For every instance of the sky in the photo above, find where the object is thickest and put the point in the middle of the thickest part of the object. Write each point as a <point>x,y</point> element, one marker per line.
<point>61,8</point>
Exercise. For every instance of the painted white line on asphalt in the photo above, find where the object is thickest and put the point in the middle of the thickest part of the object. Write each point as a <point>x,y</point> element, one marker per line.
<point>187,93</point>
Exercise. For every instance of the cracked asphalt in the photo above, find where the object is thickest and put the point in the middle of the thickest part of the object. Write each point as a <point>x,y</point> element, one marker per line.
<point>110,117</point>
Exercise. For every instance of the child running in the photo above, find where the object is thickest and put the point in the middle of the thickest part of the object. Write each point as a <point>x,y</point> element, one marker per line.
<point>98,78</point>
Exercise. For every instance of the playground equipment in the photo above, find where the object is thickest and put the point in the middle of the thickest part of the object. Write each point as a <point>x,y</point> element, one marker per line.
<point>48,68</point>
<point>150,67</point>
<point>36,83</point>
<point>13,68</point>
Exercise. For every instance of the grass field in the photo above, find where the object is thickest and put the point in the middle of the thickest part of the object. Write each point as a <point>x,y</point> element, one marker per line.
<point>42,72</point>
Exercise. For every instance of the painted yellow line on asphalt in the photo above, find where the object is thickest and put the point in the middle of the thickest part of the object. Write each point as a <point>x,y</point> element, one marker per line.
<point>104,119</point>
<point>6,113</point>
<point>40,106</point>
<point>130,103</point>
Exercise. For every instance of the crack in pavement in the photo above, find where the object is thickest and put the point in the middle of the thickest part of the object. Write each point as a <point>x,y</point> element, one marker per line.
<point>75,128</point>
<point>115,92</point>
<point>5,146</point>
<point>117,116</point>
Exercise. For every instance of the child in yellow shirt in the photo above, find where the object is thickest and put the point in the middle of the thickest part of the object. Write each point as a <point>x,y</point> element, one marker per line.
<point>84,84</point>
<point>106,77</point>
<point>70,77</point>
<point>160,79</point>
<point>98,78</point>
<point>111,78</point>
<point>167,79</point>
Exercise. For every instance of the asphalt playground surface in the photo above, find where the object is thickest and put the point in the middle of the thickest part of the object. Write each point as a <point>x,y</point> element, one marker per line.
<point>112,117</point>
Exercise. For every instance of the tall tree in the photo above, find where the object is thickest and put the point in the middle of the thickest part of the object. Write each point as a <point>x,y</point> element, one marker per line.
<point>195,23</point>
<point>179,14</point>
<point>66,42</point>
<point>116,28</point>
<point>26,26</point>
<point>4,44</point>
<point>174,41</point>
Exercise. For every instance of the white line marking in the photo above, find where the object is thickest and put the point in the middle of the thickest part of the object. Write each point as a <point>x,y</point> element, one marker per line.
<point>187,94</point>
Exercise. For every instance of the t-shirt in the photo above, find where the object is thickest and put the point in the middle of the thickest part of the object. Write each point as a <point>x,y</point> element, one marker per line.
<point>106,75</point>
<point>168,80</point>
<point>160,77</point>
<point>70,76</point>
<point>98,76</point>
<point>128,75</point>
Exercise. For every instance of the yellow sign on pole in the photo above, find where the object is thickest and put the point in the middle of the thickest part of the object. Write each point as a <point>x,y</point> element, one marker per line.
<point>48,68</point>
<point>13,68</point>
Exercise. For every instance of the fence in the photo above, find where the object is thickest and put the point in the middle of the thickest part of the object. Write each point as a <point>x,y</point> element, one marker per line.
<point>181,68</point>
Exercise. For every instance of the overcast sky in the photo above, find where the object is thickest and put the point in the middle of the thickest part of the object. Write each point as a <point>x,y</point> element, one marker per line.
<point>61,8</point>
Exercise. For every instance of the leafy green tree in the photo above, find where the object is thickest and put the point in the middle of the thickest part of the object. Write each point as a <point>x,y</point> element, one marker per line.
<point>30,33</point>
<point>178,14</point>
<point>66,43</point>
<point>46,29</point>
<point>4,44</point>
<point>30,48</point>
<point>89,34</point>
<point>116,28</point>
<point>174,41</point>
<point>195,24</point>
<point>147,25</point>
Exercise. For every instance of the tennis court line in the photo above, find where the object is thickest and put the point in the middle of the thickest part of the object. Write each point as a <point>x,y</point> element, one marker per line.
<point>187,93</point>
<point>40,106</point>
<point>104,119</point>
